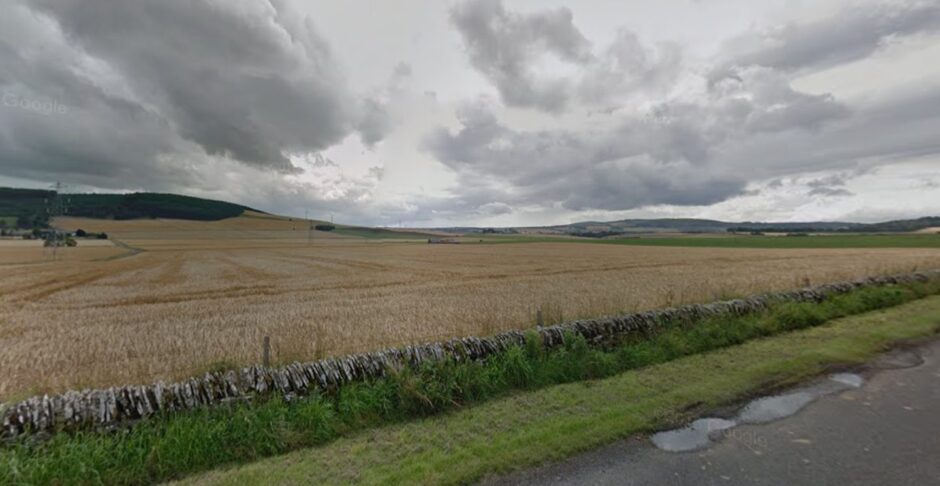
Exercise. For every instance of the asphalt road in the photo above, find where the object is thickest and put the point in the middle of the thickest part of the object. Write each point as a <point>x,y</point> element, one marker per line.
<point>885,432</point>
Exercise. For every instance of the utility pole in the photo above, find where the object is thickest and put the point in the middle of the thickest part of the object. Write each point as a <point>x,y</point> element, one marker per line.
<point>55,209</point>
<point>309,226</point>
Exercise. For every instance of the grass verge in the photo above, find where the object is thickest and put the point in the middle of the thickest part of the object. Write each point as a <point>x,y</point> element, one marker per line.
<point>438,449</point>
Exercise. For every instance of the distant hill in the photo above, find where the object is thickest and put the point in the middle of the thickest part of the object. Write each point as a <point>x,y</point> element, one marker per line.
<point>601,229</point>
<point>149,205</point>
<point>32,208</point>
<point>690,225</point>
<point>906,224</point>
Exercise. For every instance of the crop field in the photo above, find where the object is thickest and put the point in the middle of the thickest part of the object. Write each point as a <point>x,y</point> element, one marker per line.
<point>16,252</point>
<point>177,298</point>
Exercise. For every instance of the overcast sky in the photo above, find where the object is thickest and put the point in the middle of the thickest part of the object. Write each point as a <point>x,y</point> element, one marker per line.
<point>482,112</point>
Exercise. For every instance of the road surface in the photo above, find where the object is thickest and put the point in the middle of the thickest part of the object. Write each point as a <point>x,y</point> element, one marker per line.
<point>886,431</point>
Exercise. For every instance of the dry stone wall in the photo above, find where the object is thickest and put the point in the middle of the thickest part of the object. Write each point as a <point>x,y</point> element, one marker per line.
<point>103,408</point>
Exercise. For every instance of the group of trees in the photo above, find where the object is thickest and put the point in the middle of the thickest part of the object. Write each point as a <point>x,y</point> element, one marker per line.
<point>901,225</point>
<point>596,234</point>
<point>150,205</point>
<point>24,221</point>
<point>31,208</point>
<point>25,208</point>
<point>759,230</point>
<point>80,233</point>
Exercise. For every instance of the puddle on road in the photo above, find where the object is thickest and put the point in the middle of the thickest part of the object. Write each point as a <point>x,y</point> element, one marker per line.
<point>849,379</point>
<point>899,359</point>
<point>705,431</point>
<point>768,409</point>
<point>696,435</point>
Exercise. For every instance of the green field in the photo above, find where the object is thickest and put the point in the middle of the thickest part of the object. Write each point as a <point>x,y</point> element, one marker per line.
<point>730,241</point>
<point>820,241</point>
<point>379,233</point>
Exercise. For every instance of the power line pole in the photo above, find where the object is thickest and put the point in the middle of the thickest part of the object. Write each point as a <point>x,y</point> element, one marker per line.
<point>55,208</point>
<point>309,226</point>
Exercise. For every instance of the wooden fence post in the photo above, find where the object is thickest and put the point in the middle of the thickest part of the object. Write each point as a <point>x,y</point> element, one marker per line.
<point>266,351</point>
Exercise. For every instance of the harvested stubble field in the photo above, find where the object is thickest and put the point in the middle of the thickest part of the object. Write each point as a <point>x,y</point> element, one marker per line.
<point>203,295</point>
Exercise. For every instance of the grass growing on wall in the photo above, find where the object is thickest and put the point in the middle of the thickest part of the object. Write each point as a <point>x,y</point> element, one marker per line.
<point>186,442</point>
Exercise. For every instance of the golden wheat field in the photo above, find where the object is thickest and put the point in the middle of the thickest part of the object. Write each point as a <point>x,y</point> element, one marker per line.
<point>182,297</point>
<point>14,252</point>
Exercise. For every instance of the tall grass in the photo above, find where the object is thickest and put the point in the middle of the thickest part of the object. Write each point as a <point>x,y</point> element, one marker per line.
<point>181,443</point>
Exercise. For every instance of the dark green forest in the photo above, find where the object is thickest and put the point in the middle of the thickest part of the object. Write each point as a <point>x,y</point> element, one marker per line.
<point>31,208</point>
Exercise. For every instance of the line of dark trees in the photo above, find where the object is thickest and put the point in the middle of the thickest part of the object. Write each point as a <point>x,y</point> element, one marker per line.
<point>32,208</point>
<point>903,225</point>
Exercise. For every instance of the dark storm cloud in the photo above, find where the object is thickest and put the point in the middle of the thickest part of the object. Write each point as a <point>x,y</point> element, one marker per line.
<point>628,67</point>
<point>681,152</point>
<point>748,125</point>
<point>634,165</point>
<point>241,79</point>
<point>829,192</point>
<point>374,122</point>
<point>847,36</point>
<point>100,136</point>
<point>830,186</point>
<point>503,47</point>
<point>689,153</point>
<point>514,52</point>
<point>153,89</point>
<point>898,127</point>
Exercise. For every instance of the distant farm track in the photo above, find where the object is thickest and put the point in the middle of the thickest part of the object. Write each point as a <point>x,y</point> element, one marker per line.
<point>204,294</point>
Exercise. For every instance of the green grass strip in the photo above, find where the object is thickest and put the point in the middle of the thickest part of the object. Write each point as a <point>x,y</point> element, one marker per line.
<point>552,423</point>
<point>181,443</point>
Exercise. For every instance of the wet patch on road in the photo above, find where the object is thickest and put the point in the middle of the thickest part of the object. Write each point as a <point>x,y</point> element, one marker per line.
<point>706,431</point>
<point>898,359</point>
<point>696,435</point>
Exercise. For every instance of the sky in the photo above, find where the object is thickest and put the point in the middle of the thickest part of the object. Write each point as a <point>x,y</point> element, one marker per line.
<point>429,113</point>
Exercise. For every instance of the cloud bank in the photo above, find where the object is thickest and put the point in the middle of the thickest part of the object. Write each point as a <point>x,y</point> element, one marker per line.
<point>158,92</point>
<point>544,115</point>
<point>744,121</point>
